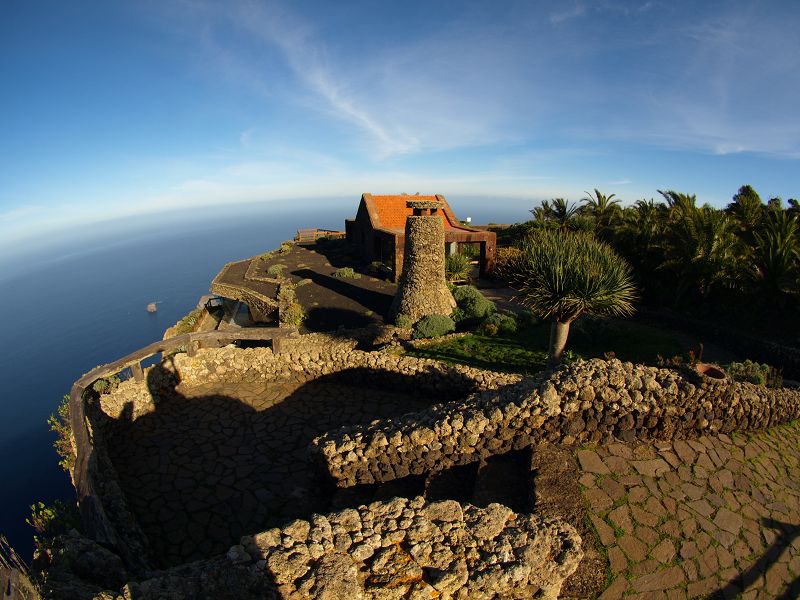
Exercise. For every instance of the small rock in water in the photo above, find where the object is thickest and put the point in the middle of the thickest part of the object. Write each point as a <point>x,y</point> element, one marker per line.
<point>151,308</point>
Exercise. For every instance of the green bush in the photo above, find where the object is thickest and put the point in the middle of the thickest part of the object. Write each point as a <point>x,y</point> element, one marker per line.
<point>293,315</point>
<point>432,326</point>
<point>51,521</point>
<point>107,385</point>
<point>188,323</point>
<point>499,323</point>
<point>457,267</point>
<point>60,425</point>
<point>276,270</point>
<point>472,304</point>
<point>346,273</point>
<point>404,322</point>
<point>753,372</point>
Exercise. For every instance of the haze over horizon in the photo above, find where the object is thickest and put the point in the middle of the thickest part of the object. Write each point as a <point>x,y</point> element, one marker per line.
<point>116,109</point>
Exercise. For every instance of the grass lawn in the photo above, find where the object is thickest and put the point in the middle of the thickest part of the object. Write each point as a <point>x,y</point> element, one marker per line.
<point>526,351</point>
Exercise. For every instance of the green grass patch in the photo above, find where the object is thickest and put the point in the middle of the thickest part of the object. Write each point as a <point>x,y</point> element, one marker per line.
<point>525,351</point>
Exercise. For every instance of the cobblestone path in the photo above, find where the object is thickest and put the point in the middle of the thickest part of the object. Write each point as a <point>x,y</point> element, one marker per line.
<point>216,462</point>
<point>715,517</point>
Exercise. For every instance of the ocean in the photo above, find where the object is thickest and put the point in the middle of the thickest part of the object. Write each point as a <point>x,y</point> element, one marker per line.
<point>83,303</point>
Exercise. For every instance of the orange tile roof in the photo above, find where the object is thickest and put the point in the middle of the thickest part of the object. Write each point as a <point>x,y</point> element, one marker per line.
<point>392,211</point>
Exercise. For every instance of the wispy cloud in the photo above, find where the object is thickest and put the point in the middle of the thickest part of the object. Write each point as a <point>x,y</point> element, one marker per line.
<point>245,137</point>
<point>558,17</point>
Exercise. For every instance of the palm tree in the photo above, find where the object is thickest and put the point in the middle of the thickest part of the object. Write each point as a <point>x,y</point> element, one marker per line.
<point>777,257</point>
<point>604,209</point>
<point>561,275</point>
<point>702,248</point>
<point>748,210</point>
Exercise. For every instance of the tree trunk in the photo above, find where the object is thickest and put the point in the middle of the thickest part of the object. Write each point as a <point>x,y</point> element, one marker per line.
<point>558,339</point>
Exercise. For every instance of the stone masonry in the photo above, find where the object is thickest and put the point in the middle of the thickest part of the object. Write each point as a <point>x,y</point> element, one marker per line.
<point>588,401</point>
<point>422,289</point>
<point>412,549</point>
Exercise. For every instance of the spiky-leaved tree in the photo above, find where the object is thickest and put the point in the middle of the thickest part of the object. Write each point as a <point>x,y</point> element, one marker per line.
<point>561,275</point>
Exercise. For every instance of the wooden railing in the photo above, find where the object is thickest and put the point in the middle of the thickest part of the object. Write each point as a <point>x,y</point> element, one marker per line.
<point>96,523</point>
<point>305,236</point>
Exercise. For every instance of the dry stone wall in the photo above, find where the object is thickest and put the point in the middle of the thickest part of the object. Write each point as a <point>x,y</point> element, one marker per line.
<point>412,549</point>
<point>588,401</point>
<point>303,359</point>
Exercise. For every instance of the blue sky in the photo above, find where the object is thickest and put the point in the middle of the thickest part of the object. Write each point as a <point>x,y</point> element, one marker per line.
<point>110,109</point>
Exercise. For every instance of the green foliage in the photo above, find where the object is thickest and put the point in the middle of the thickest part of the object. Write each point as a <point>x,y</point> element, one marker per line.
<point>60,425</point>
<point>499,323</point>
<point>404,322</point>
<point>346,273</point>
<point>293,315</point>
<point>457,267</point>
<point>563,274</point>
<point>276,270</point>
<point>472,305</point>
<point>188,323</point>
<point>285,247</point>
<point>51,521</point>
<point>432,326</point>
<point>753,372</point>
<point>106,385</point>
<point>469,250</point>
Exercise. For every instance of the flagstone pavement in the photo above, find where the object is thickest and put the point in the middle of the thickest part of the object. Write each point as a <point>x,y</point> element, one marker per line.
<point>715,517</point>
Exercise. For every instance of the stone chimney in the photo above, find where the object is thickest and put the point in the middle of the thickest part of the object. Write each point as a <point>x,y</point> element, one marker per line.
<point>423,289</point>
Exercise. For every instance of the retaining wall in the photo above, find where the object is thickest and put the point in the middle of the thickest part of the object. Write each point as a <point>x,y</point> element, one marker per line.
<point>588,401</point>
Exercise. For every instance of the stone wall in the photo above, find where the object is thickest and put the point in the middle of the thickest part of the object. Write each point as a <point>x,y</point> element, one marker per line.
<point>302,359</point>
<point>588,401</point>
<point>413,549</point>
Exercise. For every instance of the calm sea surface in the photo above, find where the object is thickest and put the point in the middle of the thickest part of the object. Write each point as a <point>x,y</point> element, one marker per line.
<point>83,304</point>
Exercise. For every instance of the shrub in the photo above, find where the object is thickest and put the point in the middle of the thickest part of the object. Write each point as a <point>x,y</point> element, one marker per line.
<point>188,323</point>
<point>490,329</point>
<point>456,266</point>
<point>51,521</point>
<point>501,323</point>
<point>59,424</point>
<point>472,304</point>
<point>527,318</point>
<point>404,322</point>
<point>285,247</point>
<point>106,386</point>
<point>276,270</point>
<point>753,372</point>
<point>293,315</point>
<point>432,326</point>
<point>346,273</point>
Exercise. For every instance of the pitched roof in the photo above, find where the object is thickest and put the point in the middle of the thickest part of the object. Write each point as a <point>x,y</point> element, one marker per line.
<point>390,211</point>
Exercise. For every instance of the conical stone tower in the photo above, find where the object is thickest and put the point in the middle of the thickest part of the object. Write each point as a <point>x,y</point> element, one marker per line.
<point>423,289</point>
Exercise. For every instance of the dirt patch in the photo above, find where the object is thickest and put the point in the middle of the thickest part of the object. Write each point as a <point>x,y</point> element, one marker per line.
<point>557,494</point>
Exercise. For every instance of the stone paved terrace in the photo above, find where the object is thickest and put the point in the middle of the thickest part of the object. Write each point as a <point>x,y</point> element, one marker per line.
<point>219,461</point>
<point>714,517</point>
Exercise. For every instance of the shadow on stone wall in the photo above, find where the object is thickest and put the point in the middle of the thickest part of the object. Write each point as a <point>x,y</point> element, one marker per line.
<point>202,470</point>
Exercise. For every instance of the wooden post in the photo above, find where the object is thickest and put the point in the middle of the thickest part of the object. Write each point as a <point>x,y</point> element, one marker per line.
<point>136,369</point>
